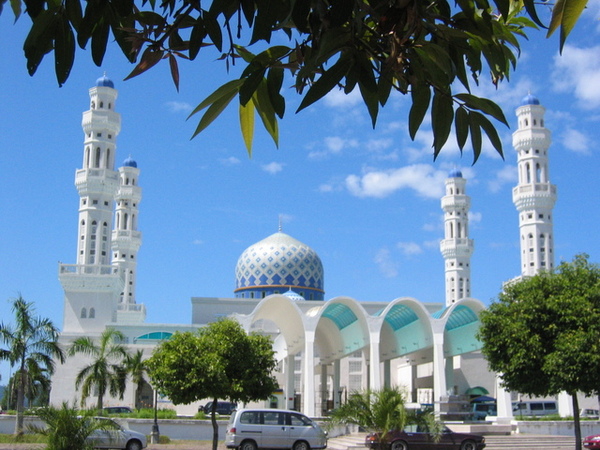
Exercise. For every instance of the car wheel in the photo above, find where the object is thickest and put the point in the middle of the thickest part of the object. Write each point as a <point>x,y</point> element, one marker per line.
<point>468,445</point>
<point>134,445</point>
<point>301,445</point>
<point>399,445</point>
<point>248,445</point>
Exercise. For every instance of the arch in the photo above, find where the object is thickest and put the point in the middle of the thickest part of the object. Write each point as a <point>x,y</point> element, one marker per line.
<point>461,322</point>
<point>108,158</point>
<point>92,313</point>
<point>406,329</point>
<point>97,158</point>
<point>83,314</point>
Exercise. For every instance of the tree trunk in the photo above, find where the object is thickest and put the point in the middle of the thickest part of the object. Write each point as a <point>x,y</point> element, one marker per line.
<point>576,421</point>
<point>213,419</point>
<point>20,400</point>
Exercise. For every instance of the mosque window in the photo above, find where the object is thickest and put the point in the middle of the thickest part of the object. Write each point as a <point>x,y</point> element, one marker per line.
<point>83,313</point>
<point>94,202</point>
<point>92,313</point>
<point>101,104</point>
<point>93,105</point>
<point>105,203</point>
<point>251,294</point>
<point>264,294</point>
<point>98,134</point>
<point>534,122</point>
<point>110,136</point>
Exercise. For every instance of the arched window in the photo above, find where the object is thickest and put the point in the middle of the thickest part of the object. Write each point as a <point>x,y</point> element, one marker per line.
<point>108,158</point>
<point>87,157</point>
<point>538,171</point>
<point>125,220</point>
<point>83,313</point>
<point>93,106</point>
<point>527,173</point>
<point>451,230</point>
<point>92,313</point>
<point>97,159</point>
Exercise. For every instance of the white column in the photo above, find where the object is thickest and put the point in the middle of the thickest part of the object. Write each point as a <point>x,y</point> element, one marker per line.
<point>374,366</point>
<point>289,366</point>
<point>308,370</point>
<point>336,384</point>
<point>503,401</point>
<point>324,395</point>
<point>439,371</point>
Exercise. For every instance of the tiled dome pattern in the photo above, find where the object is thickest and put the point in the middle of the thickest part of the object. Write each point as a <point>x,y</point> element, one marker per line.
<point>280,261</point>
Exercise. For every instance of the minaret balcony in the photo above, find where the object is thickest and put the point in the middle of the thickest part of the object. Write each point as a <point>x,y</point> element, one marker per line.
<point>90,277</point>
<point>96,120</point>
<point>456,248</point>
<point>455,201</point>
<point>96,180</point>
<point>536,195</point>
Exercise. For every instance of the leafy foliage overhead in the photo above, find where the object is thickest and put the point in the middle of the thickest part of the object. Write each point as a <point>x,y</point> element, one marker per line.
<point>431,51</point>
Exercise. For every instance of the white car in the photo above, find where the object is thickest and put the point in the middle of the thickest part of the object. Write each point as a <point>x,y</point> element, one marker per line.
<point>114,435</point>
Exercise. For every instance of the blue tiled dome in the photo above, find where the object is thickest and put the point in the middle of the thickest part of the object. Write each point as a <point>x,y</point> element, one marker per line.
<point>294,296</point>
<point>130,162</point>
<point>530,100</point>
<point>455,173</point>
<point>105,81</point>
<point>277,264</point>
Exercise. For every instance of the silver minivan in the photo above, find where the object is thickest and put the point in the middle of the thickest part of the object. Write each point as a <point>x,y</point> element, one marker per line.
<point>249,429</point>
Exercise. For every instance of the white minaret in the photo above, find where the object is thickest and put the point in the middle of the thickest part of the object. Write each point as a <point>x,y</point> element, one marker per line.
<point>92,285</point>
<point>456,247</point>
<point>534,196</point>
<point>126,241</point>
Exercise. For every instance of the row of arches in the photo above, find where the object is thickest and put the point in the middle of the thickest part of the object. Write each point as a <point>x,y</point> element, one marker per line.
<point>326,332</point>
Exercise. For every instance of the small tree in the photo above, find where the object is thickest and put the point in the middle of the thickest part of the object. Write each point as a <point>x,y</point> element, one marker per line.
<point>136,368</point>
<point>32,344</point>
<point>543,333</point>
<point>221,361</point>
<point>107,371</point>
<point>67,428</point>
<point>381,412</point>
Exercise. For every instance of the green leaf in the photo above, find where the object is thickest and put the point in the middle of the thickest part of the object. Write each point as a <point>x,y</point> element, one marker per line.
<point>266,111</point>
<point>213,30</point>
<point>213,111</point>
<point>461,123</point>
<point>74,12</point>
<point>530,8</point>
<point>64,51</point>
<point>274,84</point>
<point>174,70</point>
<point>565,14</point>
<point>326,82</point>
<point>442,115</point>
<point>230,88</point>
<point>421,96</point>
<point>99,41</point>
<point>39,41</point>
<point>247,124</point>
<point>490,131</point>
<point>483,104</point>
<point>197,38</point>
<point>15,5</point>
<point>475,129</point>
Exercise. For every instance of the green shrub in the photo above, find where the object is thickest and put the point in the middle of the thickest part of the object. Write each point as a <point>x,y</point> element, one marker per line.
<point>148,413</point>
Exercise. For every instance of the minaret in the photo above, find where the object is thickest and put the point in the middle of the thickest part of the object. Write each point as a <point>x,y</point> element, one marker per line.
<point>126,240</point>
<point>456,247</point>
<point>534,196</point>
<point>92,285</point>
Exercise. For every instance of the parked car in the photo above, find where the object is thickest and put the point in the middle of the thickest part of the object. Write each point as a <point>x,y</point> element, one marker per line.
<point>114,435</point>
<point>535,408</point>
<point>592,442</point>
<point>223,408</point>
<point>117,410</point>
<point>587,413</point>
<point>417,436</point>
<point>482,410</point>
<point>250,429</point>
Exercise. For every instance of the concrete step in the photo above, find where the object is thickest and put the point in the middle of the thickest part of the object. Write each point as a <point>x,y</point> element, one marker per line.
<point>355,441</point>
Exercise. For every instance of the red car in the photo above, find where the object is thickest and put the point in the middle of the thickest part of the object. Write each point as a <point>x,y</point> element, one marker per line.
<point>418,437</point>
<point>592,441</point>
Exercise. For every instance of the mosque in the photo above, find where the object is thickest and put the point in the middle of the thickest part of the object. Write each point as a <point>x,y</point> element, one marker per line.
<point>325,348</point>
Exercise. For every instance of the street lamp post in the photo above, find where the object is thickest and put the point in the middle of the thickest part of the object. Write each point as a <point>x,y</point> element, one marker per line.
<point>155,434</point>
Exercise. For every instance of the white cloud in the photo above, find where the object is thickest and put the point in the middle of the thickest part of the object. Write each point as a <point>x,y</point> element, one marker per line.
<point>422,178</point>
<point>272,168</point>
<point>577,70</point>
<point>332,145</point>
<point>387,266</point>
<point>409,248</point>
<point>575,141</point>
<point>508,174</point>
<point>474,217</point>
<point>231,161</point>
<point>176,107</point>
<point>198,242</point>
<point>338,99</point>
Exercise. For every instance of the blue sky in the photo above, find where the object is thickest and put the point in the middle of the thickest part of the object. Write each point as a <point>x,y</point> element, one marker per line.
<point>368,201</point>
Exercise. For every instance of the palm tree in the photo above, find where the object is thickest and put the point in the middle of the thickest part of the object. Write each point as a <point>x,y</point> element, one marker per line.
<point>32,344</point>
<point>136,368</point>
<point>106,372</point>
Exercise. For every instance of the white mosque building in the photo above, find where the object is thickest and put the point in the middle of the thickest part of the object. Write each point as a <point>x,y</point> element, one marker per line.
<point>325,348</point>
